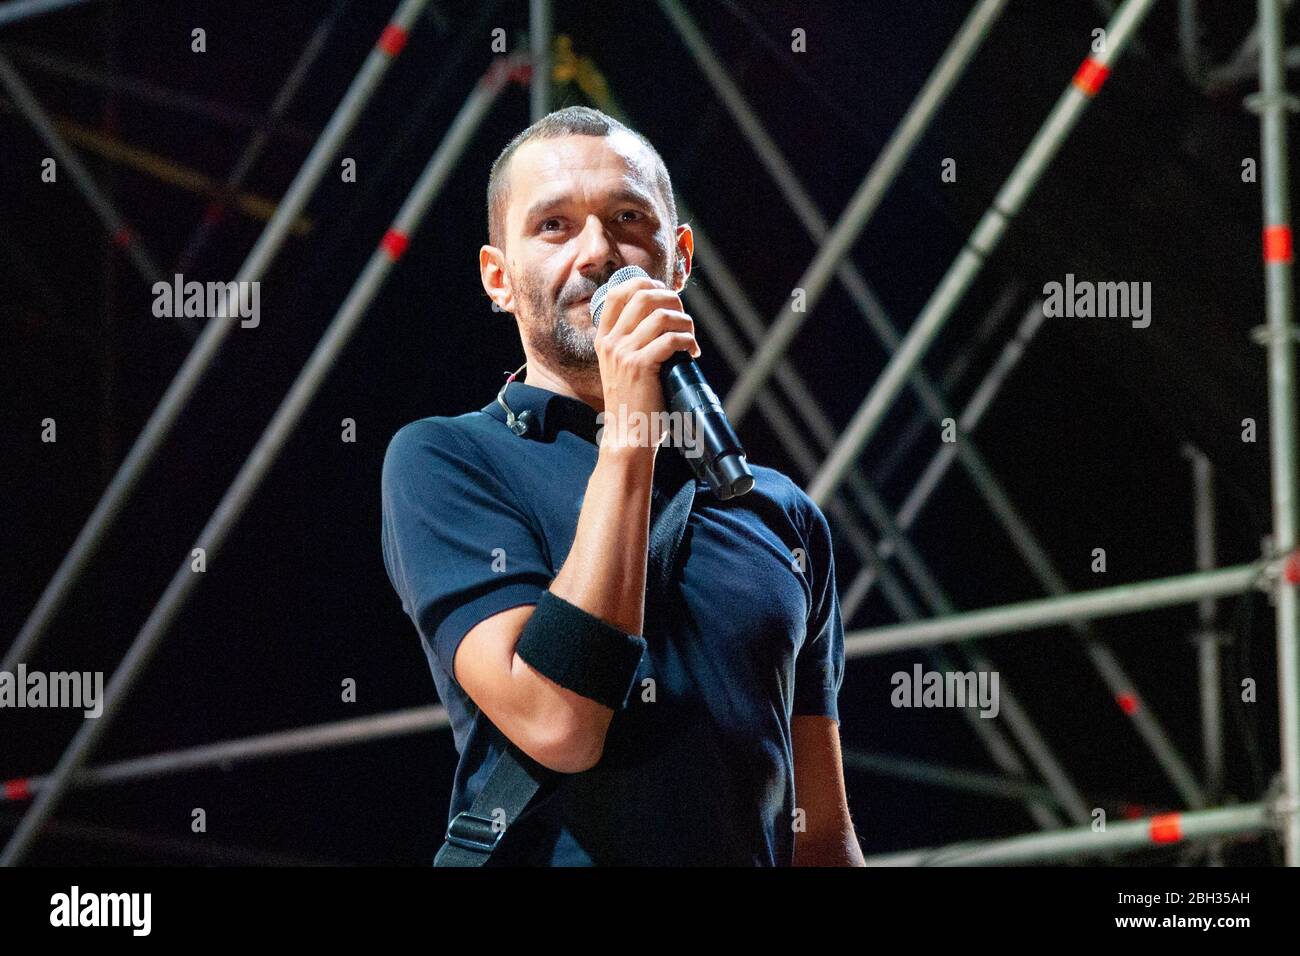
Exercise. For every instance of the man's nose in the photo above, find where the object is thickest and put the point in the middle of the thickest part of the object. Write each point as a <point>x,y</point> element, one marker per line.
<point>597,255</point>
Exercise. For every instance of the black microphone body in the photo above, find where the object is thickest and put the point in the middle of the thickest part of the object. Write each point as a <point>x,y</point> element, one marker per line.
<point>718,458</point>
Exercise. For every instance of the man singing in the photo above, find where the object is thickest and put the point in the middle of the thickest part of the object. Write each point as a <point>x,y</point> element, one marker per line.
<point>696,728</point>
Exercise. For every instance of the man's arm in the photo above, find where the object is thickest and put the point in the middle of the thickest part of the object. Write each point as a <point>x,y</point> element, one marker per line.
<point>828,838</point>
<point>604,574</point>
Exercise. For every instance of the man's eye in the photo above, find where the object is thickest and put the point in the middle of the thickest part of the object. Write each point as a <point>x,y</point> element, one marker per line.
<point>547,224</point>
<point>630,212</point>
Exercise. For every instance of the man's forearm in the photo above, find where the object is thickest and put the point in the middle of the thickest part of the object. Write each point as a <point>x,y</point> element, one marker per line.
<point>605,571</point>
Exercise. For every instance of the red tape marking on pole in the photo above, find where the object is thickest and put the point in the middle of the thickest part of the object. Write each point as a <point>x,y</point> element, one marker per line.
<point>1277,244</point>
<point>1166,828</point>
<point>1090,76</point>
<point>18,789</point>
<point>394,243</point>
<point>1291,569</point>
<point>122,238</point>
<point>392,39</point>
<point>1128,702</point>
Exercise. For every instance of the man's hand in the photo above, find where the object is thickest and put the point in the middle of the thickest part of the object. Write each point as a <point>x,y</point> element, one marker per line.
<point>642,325</point>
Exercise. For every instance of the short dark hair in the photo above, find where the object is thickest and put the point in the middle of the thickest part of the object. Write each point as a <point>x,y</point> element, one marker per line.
<point>570,121</point>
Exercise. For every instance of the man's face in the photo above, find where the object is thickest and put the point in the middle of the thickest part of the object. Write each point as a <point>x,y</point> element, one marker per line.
<point>579,208</point>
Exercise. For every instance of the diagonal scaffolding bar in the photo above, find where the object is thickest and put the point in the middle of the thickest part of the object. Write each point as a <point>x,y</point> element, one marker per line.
<point>890,462</point>
<point>263,455</point>
<point>215,331</point>
<point>123,236</point>
<point>216,210</point>
<point>925,486</point>
<point>1273,103</point>
<point>983,240</point>
<point>864,202</point>
<point>953,778</point>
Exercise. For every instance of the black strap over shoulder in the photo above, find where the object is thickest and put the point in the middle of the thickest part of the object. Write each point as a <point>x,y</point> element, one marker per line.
<point>474,834</point>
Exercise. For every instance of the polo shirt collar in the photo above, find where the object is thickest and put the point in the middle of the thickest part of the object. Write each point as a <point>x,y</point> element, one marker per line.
<point>551,412</point>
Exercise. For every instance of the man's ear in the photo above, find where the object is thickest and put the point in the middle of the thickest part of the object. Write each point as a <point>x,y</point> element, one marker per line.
<point>685,255</point>
<point>496,281</point>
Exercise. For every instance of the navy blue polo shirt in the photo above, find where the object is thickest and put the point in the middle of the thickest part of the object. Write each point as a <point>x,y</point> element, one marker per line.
<point>698,768</point>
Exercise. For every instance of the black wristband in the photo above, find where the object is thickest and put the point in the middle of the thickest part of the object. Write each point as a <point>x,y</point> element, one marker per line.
<point>580,652</point>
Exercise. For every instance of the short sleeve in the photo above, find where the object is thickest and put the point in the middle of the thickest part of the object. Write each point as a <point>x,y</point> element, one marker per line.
<point>819,665</point>
<point>457,545</point>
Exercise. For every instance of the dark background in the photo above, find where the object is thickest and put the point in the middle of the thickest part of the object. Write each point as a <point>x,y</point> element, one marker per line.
<point>1087,434</point>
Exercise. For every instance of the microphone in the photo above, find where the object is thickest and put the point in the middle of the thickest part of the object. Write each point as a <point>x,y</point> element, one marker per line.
<point>722,463</point>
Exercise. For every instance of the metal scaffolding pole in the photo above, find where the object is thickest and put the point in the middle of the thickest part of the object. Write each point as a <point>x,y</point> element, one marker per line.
<point>342,733</point>
<point>954,778</point>
<point>864,202</point>
<point>216,209</point>
<point>1272,103</point>
<point>22,9</point>
<point>1048,612</point>
<point>1208,636</point>
<point>123,236</point>
<point>1088,79</point>
<point>263,455</point>
<point>539,41</point>
<point>1156,831</point>
<point>215,331</point>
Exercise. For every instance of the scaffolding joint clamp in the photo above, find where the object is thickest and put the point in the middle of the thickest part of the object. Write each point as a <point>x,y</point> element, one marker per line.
<point>1263,335</point>
<point>1257,103</point>
<point>1277,806</point>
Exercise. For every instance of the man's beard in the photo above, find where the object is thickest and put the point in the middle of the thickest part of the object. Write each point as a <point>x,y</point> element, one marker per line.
<point>558,334</point>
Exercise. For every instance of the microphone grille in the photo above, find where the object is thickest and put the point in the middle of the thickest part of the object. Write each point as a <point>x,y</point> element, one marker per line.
<point>597,303</point>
